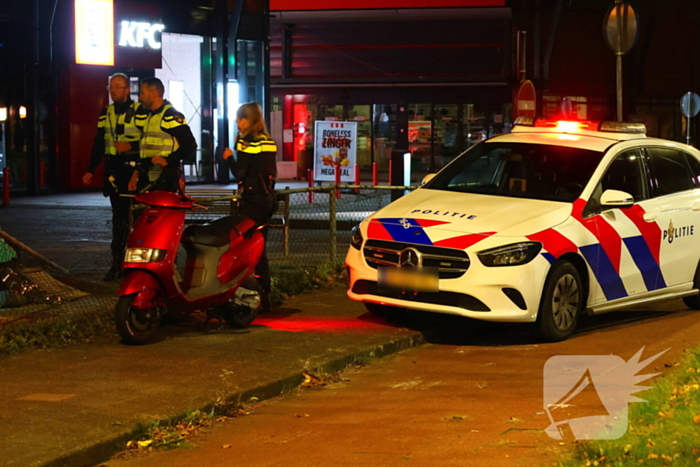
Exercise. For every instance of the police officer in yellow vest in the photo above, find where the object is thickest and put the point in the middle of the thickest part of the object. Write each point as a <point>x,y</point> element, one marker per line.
<point>117,141</point>
<point>166,140</point>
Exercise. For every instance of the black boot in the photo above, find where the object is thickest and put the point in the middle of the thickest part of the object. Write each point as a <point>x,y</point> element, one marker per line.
<point>265,306</point>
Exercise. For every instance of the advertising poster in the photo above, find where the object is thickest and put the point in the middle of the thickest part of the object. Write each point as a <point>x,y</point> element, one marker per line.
<point>335,144</point>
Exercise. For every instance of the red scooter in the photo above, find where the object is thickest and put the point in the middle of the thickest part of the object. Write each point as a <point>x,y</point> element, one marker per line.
<point>218,277</point>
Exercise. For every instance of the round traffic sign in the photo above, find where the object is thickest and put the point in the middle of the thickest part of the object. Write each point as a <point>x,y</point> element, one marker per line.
<point>620,27</point>
<point>526,105</point>
<point>690,104</point>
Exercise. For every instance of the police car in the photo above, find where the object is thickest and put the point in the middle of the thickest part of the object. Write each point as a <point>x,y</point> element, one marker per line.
<point>540,225</point>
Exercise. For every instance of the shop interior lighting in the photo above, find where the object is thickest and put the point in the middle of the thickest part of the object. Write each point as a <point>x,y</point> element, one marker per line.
<point>3,114</point>
<point>22,111</point>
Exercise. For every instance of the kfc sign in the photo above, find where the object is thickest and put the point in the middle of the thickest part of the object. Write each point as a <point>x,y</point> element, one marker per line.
<point>138,34</point>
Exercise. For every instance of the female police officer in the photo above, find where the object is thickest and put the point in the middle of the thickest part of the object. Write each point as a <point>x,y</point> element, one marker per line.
<point>255,167</point>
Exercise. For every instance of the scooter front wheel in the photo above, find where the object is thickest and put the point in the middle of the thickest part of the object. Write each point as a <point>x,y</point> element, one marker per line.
<point>134,325</point>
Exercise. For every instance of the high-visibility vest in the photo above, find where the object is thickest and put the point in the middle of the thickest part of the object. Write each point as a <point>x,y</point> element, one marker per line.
<point>110,122</point>
<point>155,141</point>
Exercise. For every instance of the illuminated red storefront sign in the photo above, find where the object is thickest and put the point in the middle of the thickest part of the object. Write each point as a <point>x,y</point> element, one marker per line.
<point>286,5</point>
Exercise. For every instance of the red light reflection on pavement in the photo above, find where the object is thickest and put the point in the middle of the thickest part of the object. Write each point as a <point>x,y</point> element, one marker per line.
<point>322,324</point>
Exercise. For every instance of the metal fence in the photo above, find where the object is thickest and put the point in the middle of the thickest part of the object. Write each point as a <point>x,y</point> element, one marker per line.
<point>312,225</point>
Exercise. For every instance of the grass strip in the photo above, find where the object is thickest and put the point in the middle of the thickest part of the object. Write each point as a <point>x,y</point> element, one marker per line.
<point>662,432</point>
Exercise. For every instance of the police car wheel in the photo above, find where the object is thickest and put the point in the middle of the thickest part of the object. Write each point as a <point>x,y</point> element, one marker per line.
<point>381,310</point>
<point>693,302</point>
<point>561,304</point>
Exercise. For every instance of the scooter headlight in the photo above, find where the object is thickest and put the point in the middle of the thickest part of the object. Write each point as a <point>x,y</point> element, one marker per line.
<point>510,255</point>
<point>144,255</point>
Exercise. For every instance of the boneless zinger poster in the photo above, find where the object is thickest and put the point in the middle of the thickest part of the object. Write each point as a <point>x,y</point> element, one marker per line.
<point>336,146</point>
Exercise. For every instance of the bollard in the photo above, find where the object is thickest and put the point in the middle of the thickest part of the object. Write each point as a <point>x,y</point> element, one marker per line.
<point>6,186</point>
<point>375,174</point>
<point>285,228</point>
<point>337,181</point>
<point>310,178</point>
<point>391,171</point>
<point>42,170</point>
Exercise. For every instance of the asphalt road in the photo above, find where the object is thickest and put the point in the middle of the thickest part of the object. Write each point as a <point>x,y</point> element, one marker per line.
<point>473,396</point>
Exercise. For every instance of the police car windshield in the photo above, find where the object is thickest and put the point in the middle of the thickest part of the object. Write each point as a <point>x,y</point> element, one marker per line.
<point>535,171</point>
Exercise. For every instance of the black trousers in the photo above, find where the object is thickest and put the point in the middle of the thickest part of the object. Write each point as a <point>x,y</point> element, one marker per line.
<point>121,211</point>
<point>260,208</point>
<point>262,270</point>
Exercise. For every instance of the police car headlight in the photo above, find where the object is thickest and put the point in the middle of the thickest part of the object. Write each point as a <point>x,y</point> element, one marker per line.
<point>356,238</point>
<point>510,255</point>
<point>144,255</point>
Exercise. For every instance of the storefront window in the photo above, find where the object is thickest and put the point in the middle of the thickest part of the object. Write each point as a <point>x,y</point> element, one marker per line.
<point>361,115</point>
<point>445,133</point>
<point>420,133</point>
<point>384,126</point>
<point>474,125</point>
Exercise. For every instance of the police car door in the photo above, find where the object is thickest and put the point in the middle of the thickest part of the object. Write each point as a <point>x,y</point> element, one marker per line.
<point>675,208</point>
<point>622,263</point>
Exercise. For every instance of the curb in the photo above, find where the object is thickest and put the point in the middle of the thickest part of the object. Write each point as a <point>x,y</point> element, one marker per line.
<point>104,450</point>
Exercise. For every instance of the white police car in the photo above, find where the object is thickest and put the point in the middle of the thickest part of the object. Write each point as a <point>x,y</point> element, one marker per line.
<point>539,225</point>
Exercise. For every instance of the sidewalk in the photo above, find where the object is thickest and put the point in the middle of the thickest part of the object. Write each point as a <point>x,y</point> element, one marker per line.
<point>77,406</point>
<point>95,199</point>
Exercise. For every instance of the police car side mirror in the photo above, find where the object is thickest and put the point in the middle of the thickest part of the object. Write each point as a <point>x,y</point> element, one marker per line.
<point>427,178</point>
<point>612,199</point>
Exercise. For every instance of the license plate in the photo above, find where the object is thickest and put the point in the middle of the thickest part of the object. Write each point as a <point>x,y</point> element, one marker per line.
<point>409,279</point>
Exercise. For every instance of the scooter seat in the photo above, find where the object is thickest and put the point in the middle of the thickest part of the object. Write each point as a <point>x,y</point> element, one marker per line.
<point>217,233</point>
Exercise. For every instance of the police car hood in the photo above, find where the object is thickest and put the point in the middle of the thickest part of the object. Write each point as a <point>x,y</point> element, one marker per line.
<point>466,213</point>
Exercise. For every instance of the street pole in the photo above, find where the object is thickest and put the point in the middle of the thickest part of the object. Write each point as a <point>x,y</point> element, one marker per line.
<point>619,87</point>
<point>618,56</point>
<point>620,29</point>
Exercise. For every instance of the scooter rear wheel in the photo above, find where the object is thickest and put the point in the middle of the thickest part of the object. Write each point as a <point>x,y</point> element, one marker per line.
<point>136,326</point>
<point>239,316</point>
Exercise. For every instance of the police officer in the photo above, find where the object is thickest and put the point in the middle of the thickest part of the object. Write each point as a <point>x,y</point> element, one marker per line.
<point>117,141</point>
<point>256,167</point>
<point>166,140</point>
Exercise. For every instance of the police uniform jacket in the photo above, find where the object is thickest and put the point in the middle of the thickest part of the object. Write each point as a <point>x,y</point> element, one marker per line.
<point>117,123</point>
<point>165,134</point>
<point>255,166</point>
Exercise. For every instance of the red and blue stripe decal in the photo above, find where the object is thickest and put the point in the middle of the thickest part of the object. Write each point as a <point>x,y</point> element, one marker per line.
<point>604,257</point>
<point>644,259</point>
<point>412,231</point>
